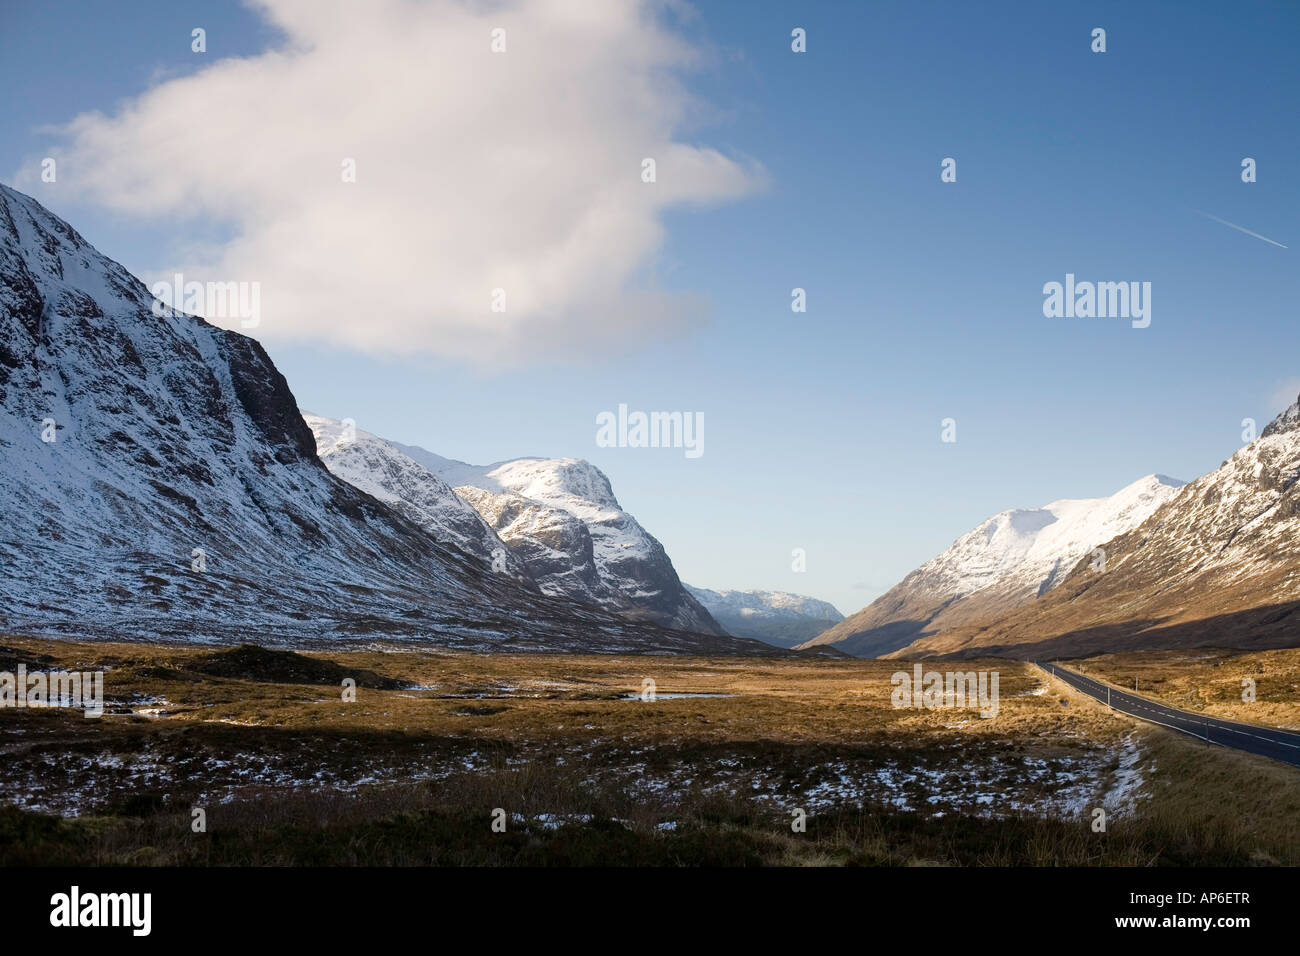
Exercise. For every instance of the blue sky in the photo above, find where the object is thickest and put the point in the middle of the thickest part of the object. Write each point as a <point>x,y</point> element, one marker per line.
<point>822,429</point>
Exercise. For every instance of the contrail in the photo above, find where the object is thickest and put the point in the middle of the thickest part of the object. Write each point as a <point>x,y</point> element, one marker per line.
<point>1239,228</point>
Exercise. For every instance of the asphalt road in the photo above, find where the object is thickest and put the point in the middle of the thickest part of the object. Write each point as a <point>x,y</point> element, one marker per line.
<point>1281,745</point>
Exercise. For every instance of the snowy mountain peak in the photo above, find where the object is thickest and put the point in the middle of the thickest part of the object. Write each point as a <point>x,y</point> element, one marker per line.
<point>559,518</point>
<point>1215,565</point>
<point>55,283</point>
<point>372,465</point>
<point>176,488</point>
<point>557,481</point>
<point>1006,560</point>
<point>1031,548</point>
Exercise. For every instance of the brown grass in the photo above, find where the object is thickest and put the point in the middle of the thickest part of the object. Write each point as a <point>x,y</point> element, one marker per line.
<point>288,773</point>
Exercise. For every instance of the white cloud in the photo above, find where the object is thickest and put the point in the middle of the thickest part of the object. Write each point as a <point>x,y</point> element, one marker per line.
<point>475,171</point>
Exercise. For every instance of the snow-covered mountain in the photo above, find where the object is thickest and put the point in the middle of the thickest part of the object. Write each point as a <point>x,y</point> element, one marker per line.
<point>1009,559</point>
<point>559,516</point>
<point>1216,565</point>
<point>776,617</point>
<point>157,481</point>
<point>554,546</point>
<point>546,546</point>
<point>381,471</point>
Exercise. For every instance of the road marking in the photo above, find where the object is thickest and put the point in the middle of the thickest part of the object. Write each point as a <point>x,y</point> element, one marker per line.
<point>1199,722</point>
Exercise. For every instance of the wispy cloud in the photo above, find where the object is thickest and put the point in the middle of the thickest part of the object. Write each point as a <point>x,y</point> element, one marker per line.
<point>475,171</point>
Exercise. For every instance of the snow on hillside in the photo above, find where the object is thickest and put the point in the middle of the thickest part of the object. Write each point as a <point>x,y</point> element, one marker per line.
<point>1007,560</point>
<point>559,519</point>
<point>180,493</point>
<point>381,471</point>
<point>1029,549</point>
<point>554,546</point>
<point>770,604</point>
<point>1215,565</point>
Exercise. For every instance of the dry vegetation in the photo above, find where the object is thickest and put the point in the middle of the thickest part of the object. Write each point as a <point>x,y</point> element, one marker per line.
<point>288,773</point>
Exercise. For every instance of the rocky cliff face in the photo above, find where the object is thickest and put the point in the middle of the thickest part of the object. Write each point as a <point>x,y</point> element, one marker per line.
<point>633,574</point>
<point>554,546</point>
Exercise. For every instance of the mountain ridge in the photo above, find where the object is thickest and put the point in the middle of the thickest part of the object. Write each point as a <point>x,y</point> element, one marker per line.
<point>1010,558</point>
<point>559,518</point>
<point>1217,565</point>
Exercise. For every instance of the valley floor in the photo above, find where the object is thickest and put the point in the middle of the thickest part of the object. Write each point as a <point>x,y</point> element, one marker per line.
<point>562,752</point>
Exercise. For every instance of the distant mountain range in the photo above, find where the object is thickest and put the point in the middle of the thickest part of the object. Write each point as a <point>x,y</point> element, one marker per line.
<point>776,617</point>
<point>159,482</point>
